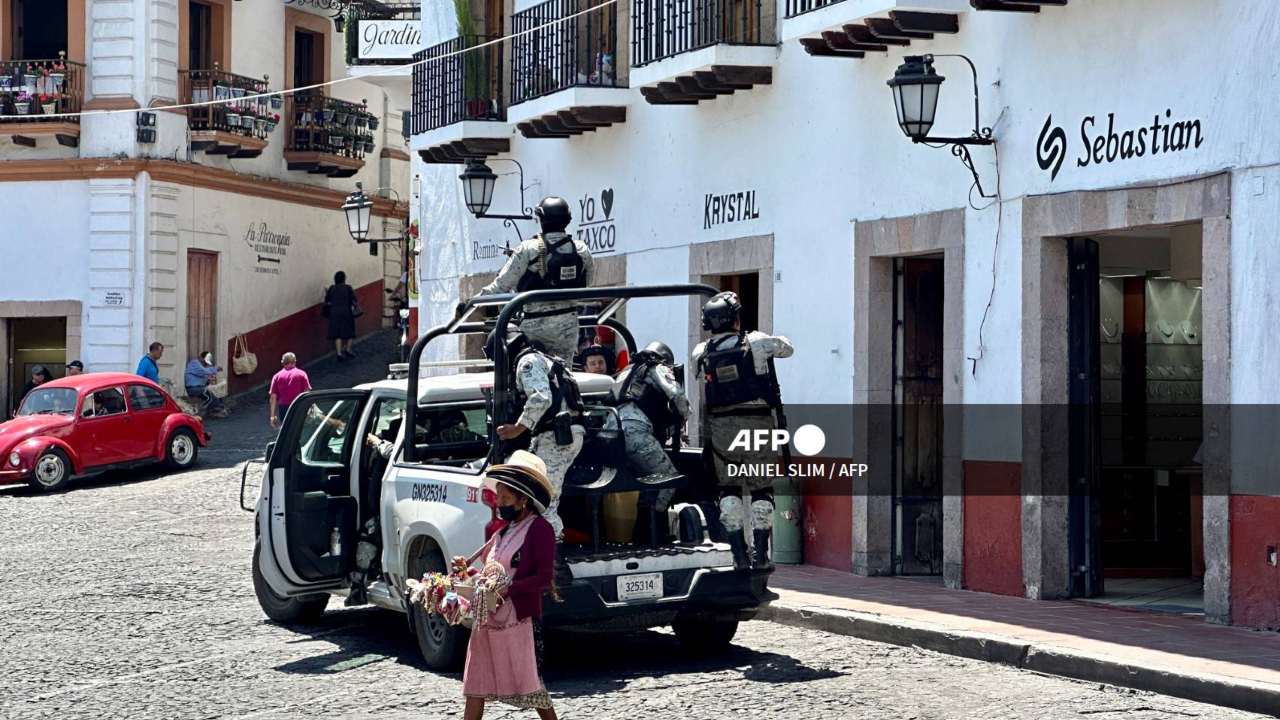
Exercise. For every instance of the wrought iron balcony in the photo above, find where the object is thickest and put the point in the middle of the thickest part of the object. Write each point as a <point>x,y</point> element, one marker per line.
<point>665,28</point>
<point>36,91</point>
<point>239,128</point>
<point>582,52</point>
<point>800,7</point>
<point>327,136</point>
<point>459,85</point>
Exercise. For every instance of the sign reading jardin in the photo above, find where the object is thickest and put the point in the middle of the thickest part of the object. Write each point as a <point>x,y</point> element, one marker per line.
<point>270,247</point>
<point>733,207</point>
<point>1105,143</point>
<point>388,39</point>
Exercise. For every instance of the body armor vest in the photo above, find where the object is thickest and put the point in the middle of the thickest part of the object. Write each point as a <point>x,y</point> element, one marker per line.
<point>731,377</point>
<point>564,390</point>
<point>649,398</point>
<point>560,270</point>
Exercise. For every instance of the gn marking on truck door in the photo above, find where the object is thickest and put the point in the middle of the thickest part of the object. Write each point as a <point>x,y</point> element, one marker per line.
<point>433,492</point>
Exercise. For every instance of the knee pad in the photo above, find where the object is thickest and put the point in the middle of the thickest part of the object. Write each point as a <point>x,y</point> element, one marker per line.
<point>731,513</point>
<point>762,514</point>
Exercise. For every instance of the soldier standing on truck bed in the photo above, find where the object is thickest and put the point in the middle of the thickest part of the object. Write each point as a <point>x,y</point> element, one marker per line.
<point>550,418</point>
<point>651,404</point>
<point>552,260</point>
<point>742,393</point>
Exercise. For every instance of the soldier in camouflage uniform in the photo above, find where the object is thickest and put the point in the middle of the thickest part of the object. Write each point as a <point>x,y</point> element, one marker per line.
<point>651,404</point>
<point>741,394</point>
<point>551,260</point>
<point>550,414</point>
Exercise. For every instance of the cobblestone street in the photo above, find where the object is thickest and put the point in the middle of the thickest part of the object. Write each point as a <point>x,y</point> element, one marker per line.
<point>130,596</point>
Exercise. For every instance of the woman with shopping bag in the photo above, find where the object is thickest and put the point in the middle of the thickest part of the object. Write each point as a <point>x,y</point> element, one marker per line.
<point>504,657</point>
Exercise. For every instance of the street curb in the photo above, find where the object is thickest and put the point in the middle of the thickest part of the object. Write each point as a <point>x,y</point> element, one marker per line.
<point>1215,690</point>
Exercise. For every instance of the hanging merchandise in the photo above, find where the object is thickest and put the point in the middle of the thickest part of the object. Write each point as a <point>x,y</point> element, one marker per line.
<point>244,362</point>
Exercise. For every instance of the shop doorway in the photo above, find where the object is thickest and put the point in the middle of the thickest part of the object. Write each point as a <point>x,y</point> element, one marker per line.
<point>34,341</point>
<point>747,286</point>
<point>917,415</point>
<point>202,302</point>
<point>39,29</point>
<point>1136,418</point>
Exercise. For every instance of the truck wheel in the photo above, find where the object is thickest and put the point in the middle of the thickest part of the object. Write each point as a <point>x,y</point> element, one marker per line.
<point>181,450</point>
<point>443,646</point>
<point>704,635</point>
<point>302,610</point>
<point>51,472</point>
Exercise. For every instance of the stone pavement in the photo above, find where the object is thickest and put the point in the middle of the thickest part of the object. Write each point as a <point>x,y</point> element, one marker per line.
<point>1161,652</point>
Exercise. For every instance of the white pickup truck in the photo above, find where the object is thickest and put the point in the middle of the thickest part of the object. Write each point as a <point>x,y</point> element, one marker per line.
<point>322,483</point>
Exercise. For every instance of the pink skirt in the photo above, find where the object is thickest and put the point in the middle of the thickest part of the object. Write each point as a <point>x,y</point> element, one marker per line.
<point>502,662</point>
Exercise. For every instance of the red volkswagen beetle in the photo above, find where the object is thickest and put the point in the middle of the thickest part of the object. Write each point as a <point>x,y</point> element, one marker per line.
<point>86,424</point>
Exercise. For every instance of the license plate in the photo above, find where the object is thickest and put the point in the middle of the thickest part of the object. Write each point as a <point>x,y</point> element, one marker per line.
<point>640,587</point>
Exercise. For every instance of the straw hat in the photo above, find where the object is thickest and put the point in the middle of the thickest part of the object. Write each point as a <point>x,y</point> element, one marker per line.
<point>525,473</point>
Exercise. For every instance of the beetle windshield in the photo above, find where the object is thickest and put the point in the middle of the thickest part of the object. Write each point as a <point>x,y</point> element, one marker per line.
<point>51,401</point>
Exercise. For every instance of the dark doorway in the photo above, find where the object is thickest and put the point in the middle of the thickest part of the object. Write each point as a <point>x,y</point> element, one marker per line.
<point>35,341</point>
<point>1135,367</point>
<point>39,29</point>
<point>200,36</point>
<point>747,286</point>
<point>308,60</point>
<point>917,415</point>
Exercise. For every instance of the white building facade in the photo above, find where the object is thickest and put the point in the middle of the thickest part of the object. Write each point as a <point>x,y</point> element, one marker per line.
<point>756,147</point>
<point>136,223</point>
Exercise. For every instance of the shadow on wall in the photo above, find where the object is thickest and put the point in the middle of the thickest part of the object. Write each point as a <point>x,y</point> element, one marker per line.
<point>302,333</point>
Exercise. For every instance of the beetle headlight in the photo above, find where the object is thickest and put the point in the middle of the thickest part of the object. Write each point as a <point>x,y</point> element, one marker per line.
<point>15,459</point>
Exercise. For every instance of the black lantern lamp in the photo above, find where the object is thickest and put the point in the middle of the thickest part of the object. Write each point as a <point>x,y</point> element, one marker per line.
<point>916,87</point>
<point>478,182</point>
<point>358,207</point>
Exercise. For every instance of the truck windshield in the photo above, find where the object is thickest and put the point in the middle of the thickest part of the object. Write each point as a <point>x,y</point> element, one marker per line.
<point>51,401</point>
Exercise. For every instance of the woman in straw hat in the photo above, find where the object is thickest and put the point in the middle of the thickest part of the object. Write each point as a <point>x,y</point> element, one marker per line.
<point>505,654</point>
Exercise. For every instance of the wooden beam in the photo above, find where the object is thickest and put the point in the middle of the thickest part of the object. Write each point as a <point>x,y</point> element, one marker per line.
<point>691,87</point>
<point>707,81</point>
<point>572,124</point>
<point>861,35</point>
<point>1003,5</point>
<point>743,74</point>
<point>818,48</point>
<point>68,140</point>
<point>487,146</point>
<point>841,43</point>
<point>23,140</point>
<point>654,96</point>
<point>551,127</point>
<point>947,23</point>
<point>672,91</point>
<point>885,28</point>
<point>599,116</point>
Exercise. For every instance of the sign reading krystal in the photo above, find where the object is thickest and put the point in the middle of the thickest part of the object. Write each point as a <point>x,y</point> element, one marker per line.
<point>389,39</point>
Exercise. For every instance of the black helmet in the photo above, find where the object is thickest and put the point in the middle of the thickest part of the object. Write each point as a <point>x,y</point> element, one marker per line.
<point>600,350</point>
<point>659,351</point>
<point>553,214</point>
<point>720,313</point>
<point>516,341</point>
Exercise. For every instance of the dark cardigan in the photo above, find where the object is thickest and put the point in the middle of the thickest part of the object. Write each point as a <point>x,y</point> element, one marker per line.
<point>535,563</point>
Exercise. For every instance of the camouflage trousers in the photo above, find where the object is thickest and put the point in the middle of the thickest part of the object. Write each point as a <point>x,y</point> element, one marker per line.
<point>558,459</point>
<point>645,456</point>
<point>558,334</point>
<point>733,511</point>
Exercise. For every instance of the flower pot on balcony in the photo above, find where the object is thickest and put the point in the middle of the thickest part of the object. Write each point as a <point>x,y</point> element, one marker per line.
<point>368,146</point>
<point>362,121</point>
<point>49,108</point>
<point>373,123</point>
<point>22,107</point>
<point>277,102</point>
<point>55,79</point>
<point>260,124</point>
<point>233,120</point>
<point>340,118</point>
<point>6,83</point>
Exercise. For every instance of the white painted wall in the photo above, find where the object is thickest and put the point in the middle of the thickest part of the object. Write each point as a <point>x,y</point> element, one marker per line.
<point>821,148</point>
<point>46,239</point>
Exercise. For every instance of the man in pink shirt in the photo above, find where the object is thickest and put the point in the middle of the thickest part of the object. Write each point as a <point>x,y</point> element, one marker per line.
<point>286,386</point>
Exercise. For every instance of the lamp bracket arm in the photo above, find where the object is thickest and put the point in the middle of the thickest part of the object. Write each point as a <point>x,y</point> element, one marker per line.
<point>978,130</point>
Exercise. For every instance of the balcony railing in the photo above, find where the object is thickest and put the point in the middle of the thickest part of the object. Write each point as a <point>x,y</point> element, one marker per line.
<point>460,86</point>
<point>256,118</point>
<point>664,28</point>
<point>800,7</point>
<point>322,124</point>
<point>578,52</point>
<point>363,10</point>
<point>39,89</point>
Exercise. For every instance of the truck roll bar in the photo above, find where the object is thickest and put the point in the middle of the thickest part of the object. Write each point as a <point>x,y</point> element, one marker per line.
<point>511,306</point>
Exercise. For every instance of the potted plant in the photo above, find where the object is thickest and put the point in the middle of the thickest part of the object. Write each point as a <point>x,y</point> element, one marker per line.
<point>260,124</point>
<point>49,103</point>
<point>22,101</point>
<point>373,122</point>
<point>277,102</point>
<point>233,119</point>
<point>57,74</point>
<point>29,80</point>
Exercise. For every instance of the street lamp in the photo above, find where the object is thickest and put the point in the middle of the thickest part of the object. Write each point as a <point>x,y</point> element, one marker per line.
<point>358,208</point>
<point>477,193</point>
<point>916,87</point>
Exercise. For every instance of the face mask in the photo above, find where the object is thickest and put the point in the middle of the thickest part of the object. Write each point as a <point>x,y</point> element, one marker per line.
<point>508,512</point>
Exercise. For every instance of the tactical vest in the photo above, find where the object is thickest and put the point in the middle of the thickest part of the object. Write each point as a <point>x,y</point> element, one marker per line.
<point>656,406</point>
<point>731,377</point>
<point>560,270</point>
<point>564,390</point>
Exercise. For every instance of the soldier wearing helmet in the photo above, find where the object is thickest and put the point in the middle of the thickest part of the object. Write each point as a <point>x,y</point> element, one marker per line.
<point>652,406</point>
<point>741,393</point>
<point>549,260</point>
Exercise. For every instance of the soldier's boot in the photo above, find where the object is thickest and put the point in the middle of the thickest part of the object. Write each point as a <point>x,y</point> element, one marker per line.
<point>762,538</point>
<point>738,544</point>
